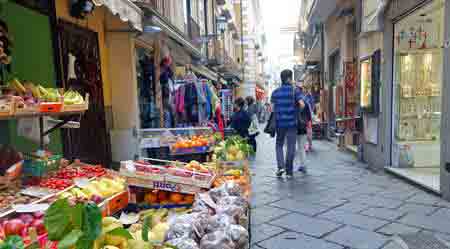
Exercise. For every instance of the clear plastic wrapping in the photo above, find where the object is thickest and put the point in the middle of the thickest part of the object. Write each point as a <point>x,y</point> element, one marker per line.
<point>217,240</point>
<point>184,243</point>
<point>239,235</point>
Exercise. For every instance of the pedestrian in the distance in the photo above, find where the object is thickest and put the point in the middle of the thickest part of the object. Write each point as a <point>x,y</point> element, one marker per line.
<point>310,103</point>
<point>304,119</point>
<point>240,120</point>
<point>253,131</point>
<point>286,101</point>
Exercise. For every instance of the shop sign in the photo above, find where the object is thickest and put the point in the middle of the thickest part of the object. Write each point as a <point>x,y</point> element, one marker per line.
<point>167,186</point>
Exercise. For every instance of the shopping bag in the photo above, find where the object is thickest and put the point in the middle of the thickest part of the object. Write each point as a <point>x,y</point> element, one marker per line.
<point>270,126</point>
<point>29,128</point>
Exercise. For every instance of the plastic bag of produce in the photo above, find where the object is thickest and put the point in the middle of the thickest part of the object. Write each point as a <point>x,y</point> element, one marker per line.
<point>219,222</point>
<point>204,203</point>
<point>229,188</point>
<point>239,235</point>
<point>232,188</point>
<point>235,212</point>
<point>217,240</point>
<point>183,243</point>
<point>233,200</point>
<point>200,225</point>
<point>181,227</point>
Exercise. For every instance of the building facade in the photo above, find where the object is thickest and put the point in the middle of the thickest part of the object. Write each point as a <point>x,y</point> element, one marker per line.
<point>393,54</point>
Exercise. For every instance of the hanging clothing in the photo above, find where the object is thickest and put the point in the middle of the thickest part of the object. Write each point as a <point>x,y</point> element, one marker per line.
<point>208,106</point>
<point>214,99</point>
<point>219,119</point>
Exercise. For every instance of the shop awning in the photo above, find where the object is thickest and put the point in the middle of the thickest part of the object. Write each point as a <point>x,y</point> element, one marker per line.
<point>125,9</point>
<point>208,73</point>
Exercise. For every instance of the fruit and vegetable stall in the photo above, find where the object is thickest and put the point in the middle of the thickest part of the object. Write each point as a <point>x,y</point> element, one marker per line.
<point>147,203</point>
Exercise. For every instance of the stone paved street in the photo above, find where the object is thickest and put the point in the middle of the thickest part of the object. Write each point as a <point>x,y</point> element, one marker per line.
<point>338,204</point>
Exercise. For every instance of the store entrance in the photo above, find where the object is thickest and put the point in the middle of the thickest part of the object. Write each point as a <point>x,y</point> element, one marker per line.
<point>80,70</point>
<point>418,71</point>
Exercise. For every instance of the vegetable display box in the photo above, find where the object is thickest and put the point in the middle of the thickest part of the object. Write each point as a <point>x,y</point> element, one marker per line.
<point>50,107</point>
<point>192,150</point>
<point>40,167</point>
<point>242,164</point>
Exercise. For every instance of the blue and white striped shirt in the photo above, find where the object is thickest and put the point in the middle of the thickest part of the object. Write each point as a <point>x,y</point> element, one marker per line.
<point>286,105</point>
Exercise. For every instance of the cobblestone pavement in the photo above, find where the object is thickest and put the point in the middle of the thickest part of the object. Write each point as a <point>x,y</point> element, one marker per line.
<point>338,204</point>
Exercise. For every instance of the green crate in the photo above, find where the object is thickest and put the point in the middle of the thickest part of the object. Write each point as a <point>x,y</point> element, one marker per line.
<point>38,168</point>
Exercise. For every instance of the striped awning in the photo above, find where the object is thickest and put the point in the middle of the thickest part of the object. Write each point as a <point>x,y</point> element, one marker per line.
<point>125,9</point>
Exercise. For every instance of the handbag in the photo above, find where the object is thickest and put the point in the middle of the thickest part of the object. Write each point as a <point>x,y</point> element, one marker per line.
<point>270,126</point>
<point>301,121</point>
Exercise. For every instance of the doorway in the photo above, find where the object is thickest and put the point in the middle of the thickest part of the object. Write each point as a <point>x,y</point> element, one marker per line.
<point>80,70</point>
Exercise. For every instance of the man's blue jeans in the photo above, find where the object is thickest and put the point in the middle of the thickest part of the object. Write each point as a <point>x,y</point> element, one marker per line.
<point>288,135</point>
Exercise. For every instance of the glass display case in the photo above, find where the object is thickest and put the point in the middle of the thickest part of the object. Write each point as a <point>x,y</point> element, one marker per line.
<point>366,84</point>
<point>419,94</point>
<point>418,78</point>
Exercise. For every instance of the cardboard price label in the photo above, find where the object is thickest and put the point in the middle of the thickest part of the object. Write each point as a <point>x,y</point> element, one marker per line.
<point>167,186</point>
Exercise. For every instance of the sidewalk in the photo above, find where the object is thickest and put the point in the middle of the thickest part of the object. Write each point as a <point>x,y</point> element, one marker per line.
<point>339,204</point>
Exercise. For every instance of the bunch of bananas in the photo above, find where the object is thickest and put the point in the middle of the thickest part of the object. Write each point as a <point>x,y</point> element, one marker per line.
<point>49,94</point>
<point>17,86</point>
<point>73,98</point>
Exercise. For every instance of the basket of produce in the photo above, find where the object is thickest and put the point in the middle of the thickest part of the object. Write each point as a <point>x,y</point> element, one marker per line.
<point>143,169</point>
<point>73,102</point>
<point>233,153</point>
<point>41,165</point>
<point>158,198</point>
<point>194,144</point>
<point>192,173</point>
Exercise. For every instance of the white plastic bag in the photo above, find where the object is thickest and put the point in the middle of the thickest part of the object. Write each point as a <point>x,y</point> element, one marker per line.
<point>29,128</point>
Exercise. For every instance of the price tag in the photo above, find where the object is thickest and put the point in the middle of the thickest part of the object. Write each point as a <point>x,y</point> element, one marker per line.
<point>30,208</point>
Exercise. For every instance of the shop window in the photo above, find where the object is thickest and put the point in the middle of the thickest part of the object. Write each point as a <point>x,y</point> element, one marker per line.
<point>418,71</point>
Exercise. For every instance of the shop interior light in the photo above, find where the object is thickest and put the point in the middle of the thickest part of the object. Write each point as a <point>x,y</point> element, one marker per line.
<point>151,29</point>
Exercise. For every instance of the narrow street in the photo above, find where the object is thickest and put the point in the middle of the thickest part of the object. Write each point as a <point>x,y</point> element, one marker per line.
<point>338,204</point>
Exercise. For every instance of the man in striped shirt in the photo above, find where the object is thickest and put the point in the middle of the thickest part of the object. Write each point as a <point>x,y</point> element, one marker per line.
<point>286,101</point>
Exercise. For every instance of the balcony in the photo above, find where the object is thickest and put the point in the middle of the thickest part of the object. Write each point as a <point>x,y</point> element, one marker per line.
<point>163,8</point>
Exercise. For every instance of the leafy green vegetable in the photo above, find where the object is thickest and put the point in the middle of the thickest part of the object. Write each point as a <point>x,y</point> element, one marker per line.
<point>121,232</point>
<point>77,216</point>
<point>13,242</point>
<point>146,227</point>
<point>76,225</point>
<point>92,221</point>
<point>57,219</point>
<point>70,239</point>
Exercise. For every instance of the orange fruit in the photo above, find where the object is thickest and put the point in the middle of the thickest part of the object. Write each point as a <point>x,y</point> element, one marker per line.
<point>189,199</point>
<point>151,197</point>
<point>176,198</point>
<point>162,196</point>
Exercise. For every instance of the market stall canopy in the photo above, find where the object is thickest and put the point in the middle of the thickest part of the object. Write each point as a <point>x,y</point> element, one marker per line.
<point>125,9</point>
<point>205,72</point>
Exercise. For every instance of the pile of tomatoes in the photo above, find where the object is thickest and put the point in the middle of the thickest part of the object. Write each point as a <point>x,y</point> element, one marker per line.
<point>195,141</point>
<point>95,170</point>
<point>56,183</point>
